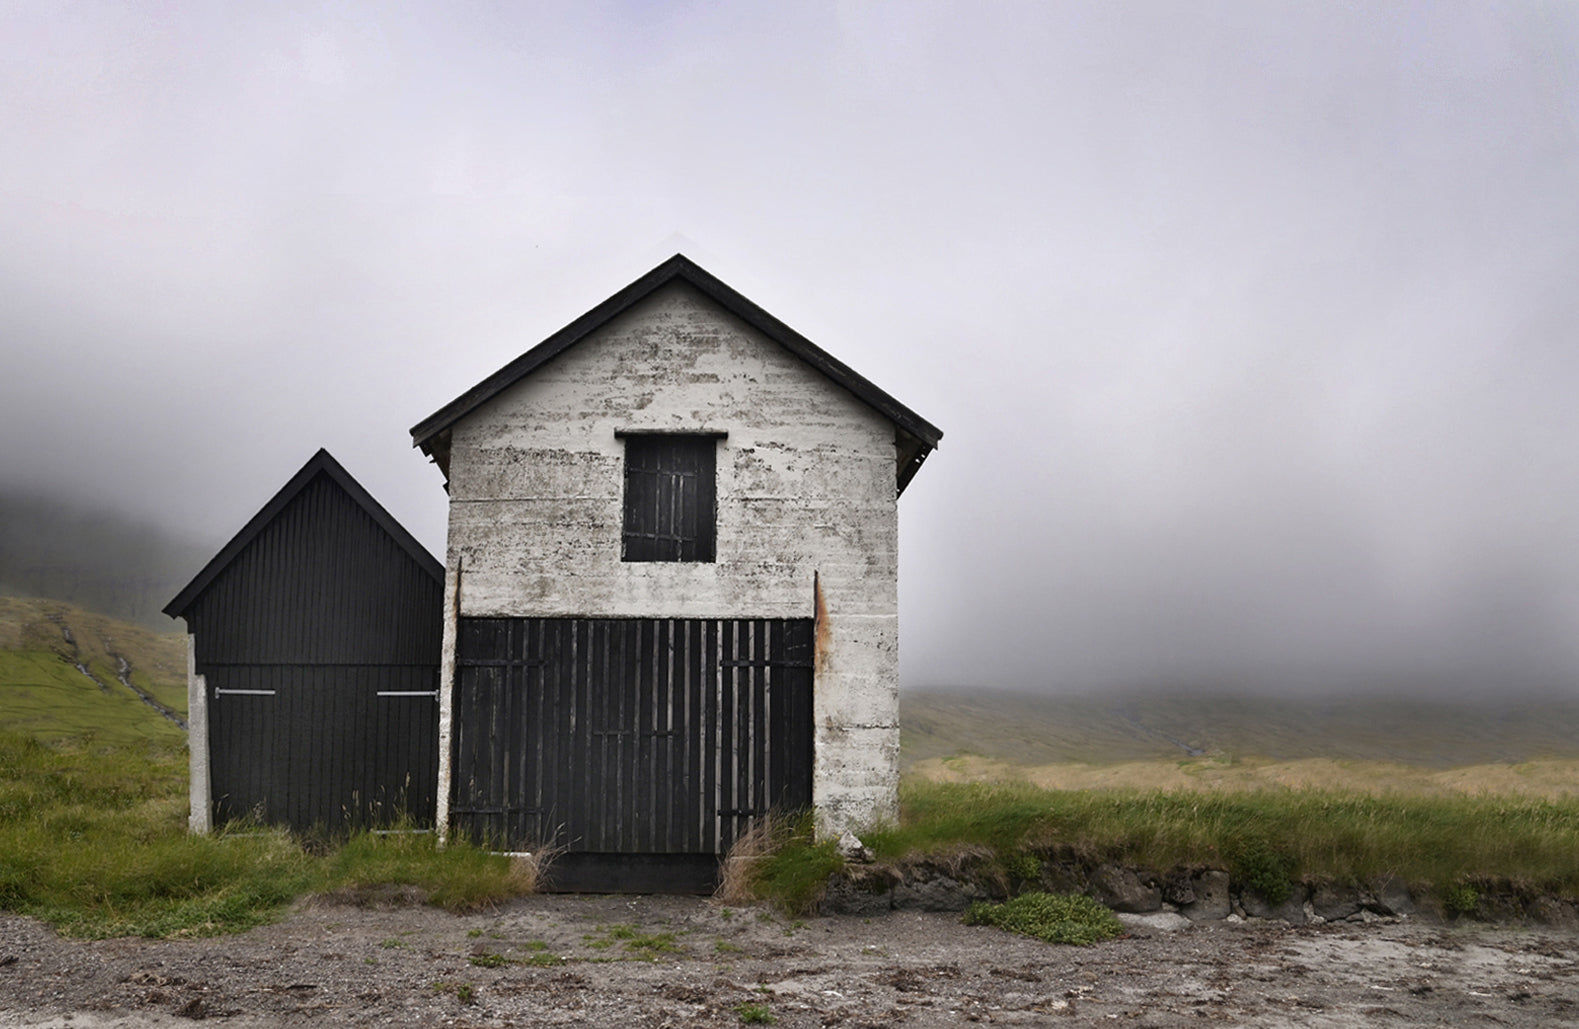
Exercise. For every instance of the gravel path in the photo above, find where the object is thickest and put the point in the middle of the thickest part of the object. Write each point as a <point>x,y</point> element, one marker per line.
<point>664,961</point>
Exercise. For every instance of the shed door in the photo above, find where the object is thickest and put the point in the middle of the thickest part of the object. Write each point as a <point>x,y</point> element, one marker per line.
<point>323,747</point>
<point>629,736</point>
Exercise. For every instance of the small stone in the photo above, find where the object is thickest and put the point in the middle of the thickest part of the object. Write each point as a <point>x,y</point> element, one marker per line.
<point>1163,920</point>
<point>1212,900</point>
<point>851,848</point>
<point>1123,889</point>
<point>1334,902</point>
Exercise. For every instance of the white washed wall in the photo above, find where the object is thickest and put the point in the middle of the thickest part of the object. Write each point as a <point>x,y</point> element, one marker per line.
<point>805,490</point>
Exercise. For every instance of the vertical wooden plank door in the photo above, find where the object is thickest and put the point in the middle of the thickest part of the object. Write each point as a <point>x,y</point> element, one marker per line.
<point>629,736</point>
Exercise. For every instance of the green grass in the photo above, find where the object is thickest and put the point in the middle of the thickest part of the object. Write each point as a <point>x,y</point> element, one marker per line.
<point>1268,834</point>
<point>1428,725</point>
<point>795,867</point>
<point>44,694</point>
<point>755,1014</point>
<point>459,877</point>
<point>93,840</point>
<point>1072,919</point>
<point>642,946</point>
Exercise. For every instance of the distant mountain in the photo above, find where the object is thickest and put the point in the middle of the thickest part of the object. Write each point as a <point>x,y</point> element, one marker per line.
<point>1415,729</point>
<point>96,559</point>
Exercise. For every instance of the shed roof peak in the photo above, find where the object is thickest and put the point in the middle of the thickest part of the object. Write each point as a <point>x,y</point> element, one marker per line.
<point>917,437</point>
<point>321,463</point>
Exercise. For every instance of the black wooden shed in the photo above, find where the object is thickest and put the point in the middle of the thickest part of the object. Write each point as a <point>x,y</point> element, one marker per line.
<point>313,664</point>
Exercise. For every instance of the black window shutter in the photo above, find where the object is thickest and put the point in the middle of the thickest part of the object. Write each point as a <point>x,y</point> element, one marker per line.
<point>670,508</point>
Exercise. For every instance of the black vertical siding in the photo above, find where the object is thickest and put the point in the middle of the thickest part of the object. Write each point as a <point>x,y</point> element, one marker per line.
<point>629,736</point>
<point>298,635</point>
<point>322,583</point>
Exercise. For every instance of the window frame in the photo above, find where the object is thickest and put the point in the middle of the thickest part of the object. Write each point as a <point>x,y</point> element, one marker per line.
<point>658,466</point>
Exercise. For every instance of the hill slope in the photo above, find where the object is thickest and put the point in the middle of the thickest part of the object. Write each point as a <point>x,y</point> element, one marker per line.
<point>1429,733</point>
<point>69,672</point>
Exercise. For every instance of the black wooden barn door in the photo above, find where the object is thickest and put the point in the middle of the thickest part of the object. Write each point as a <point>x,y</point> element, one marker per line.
<point>629,736</point>
<point>323,747</point>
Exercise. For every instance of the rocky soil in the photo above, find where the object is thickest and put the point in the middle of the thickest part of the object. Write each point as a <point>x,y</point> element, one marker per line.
<point>667,961</point>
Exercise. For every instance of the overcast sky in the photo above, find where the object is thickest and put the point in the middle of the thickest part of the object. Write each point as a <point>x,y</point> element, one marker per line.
<point>1253,328</point>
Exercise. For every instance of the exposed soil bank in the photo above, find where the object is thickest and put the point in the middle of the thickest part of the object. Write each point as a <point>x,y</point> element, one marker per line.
<point>954,882</point>
<point>331,965</point>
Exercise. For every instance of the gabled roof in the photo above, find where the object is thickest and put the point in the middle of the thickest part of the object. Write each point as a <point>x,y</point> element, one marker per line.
<point>916,436</point>
<point>321,463</point>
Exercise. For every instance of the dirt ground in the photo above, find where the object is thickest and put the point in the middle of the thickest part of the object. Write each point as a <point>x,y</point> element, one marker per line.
<point>666,961</point>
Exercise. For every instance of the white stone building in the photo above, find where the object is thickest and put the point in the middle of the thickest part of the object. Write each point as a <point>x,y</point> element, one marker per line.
<point>671,591</point>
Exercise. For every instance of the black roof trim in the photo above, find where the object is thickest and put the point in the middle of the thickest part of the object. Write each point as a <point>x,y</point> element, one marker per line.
<point>321,463</point>
<point>425,434</point>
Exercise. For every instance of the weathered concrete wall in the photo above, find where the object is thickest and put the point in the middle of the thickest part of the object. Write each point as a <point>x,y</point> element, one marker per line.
<point>200,817</point>
<point>805,492</point>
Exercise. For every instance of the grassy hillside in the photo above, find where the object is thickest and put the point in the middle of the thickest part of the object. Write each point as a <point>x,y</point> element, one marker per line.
<point>1142,727</point>
<point>44,694</point>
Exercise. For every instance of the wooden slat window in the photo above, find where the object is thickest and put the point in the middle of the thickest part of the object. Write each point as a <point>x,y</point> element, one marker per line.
<point>670,505</point>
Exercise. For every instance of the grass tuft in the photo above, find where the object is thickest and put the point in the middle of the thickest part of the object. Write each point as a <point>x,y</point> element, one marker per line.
<point>1073,918</point>
<point>781,861</point>
<point>457,877</point>
<point>755,1014</point>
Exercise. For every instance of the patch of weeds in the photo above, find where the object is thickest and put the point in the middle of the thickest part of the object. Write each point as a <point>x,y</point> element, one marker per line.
<point>794,872</point>
<point>535,945</point>
<point>1263,871</point>
<point>645,946</point>
<point>460,877</point>
<point>649,947</point>
<point>1071,918</point>
<point>1022,867</point>
<point>464,992</point>
<point>610,935</point>
<point>764,916</point>
<point>489,960</point>
<point>726,914</point>
<point>393,943</point>
<point>755,1014</point>
<point>473,934</point>
<point>543,960</point>
<point>1459,900</point>
<point>725,947</point>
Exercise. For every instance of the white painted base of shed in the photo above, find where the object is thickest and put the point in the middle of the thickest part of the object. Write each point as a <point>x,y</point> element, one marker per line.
<point>200,820</point>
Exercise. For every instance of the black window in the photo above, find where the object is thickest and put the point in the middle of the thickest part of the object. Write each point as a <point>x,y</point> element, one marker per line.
<point>669,497</point>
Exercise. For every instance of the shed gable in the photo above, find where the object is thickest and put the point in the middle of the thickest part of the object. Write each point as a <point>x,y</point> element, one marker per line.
<point>315,638</point>
<point>914,436</point>
<point>321,575</point>
<point>804,475</point>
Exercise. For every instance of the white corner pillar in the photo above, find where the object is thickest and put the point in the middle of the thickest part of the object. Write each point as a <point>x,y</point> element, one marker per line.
<point>200,820</point>
<point>452,615</point>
